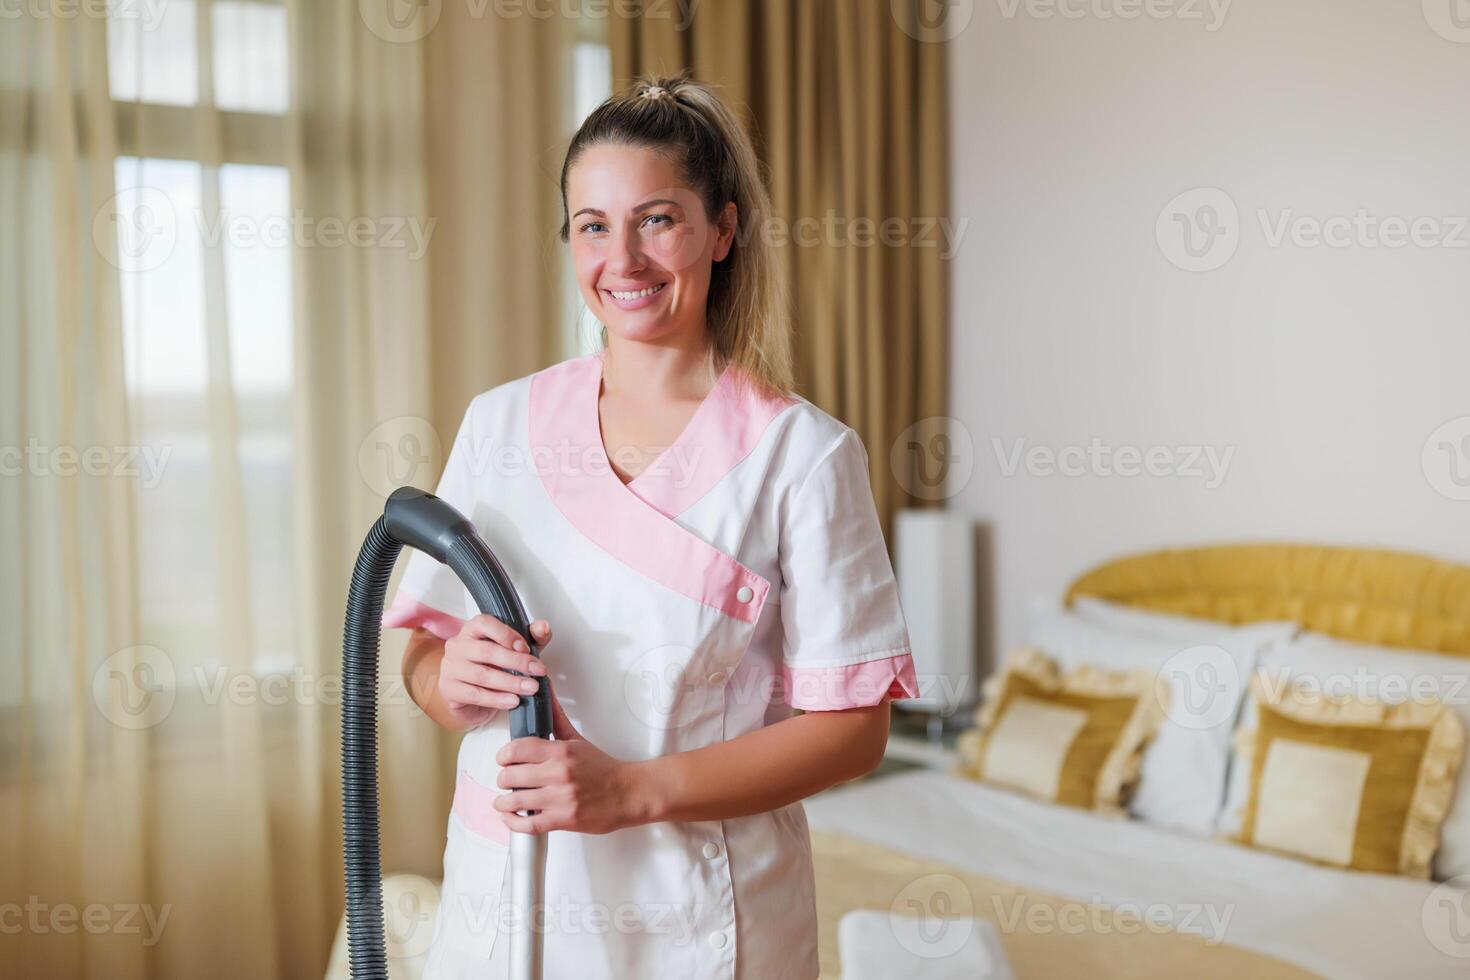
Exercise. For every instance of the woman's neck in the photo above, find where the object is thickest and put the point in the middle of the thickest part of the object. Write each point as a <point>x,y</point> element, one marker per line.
<point>669,370</point>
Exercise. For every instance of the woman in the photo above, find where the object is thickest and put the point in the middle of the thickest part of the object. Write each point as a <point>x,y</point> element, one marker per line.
<point>686,600</point>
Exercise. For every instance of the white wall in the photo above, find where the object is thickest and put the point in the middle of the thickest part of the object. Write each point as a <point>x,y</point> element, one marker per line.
<point>1323,369</point>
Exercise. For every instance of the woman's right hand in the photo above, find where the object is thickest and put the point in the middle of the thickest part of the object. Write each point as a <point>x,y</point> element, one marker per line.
<point>474,676</point>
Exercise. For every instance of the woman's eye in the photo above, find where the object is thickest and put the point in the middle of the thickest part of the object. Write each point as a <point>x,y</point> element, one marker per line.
<point>649,221</point>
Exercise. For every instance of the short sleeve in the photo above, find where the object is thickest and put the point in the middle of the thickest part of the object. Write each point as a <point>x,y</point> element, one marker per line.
<point>846,644</point>
<point>429,594</point>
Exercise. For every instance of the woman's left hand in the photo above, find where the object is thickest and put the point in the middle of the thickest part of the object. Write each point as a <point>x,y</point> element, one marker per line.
<point>571,782</point>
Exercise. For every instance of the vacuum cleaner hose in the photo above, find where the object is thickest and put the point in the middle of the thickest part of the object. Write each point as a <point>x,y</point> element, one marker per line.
<point>423,521</point>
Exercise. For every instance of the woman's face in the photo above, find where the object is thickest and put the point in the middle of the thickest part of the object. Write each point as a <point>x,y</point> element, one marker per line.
<point>641,244</point>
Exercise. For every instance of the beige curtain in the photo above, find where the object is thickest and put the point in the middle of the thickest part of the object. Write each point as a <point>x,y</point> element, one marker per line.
<point>73,793</point>
<point>499,118</point>
<point>222,345</point>
<point>848,109</point>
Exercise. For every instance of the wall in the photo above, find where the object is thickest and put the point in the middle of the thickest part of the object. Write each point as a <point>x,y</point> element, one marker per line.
<point>1321,370</point>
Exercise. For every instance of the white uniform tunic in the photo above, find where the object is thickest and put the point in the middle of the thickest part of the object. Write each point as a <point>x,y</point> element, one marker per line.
<point>741,575</point>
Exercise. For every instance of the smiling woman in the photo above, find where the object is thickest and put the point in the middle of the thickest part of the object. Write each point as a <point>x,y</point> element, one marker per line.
<point>684,614</point>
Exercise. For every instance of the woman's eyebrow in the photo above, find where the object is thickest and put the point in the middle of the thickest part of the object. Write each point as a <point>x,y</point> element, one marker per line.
<point>640,207</point>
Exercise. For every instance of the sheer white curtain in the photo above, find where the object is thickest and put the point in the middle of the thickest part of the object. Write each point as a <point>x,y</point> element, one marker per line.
<point>214,359</point>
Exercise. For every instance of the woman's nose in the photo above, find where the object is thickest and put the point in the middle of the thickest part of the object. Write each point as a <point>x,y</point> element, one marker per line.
<point>625,255</point>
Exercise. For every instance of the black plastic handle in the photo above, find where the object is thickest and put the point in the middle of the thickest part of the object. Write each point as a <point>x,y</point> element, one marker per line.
<point>423,521</point>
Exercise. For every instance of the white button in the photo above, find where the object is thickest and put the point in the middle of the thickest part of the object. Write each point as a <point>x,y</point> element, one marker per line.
<point>717,940</point>
<point>711,850</point>
<point>744,594</point>
<point>717,678</point>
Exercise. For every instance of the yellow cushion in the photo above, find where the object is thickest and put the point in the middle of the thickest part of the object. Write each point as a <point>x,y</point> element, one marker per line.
<point>1353,783</point>
<point>1073,738</point>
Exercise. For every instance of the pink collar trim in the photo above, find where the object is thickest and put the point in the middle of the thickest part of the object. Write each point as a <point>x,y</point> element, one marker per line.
<point>634,523</point>
<point>722,432</point>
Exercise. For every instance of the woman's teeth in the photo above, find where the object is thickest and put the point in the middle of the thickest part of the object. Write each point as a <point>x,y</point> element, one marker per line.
<point>637,294</point>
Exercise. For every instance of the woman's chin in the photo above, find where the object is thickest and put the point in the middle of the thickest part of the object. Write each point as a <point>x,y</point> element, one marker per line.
<point>640,327</point>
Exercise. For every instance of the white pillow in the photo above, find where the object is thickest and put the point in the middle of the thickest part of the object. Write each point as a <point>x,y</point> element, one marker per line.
<point>1170,626</point>
<point>1338,668</point>
<point>1182,779</point>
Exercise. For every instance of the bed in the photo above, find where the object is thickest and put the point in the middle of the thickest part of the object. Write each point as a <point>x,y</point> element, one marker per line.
<point>1237,912</point>
<point>1074,893</point>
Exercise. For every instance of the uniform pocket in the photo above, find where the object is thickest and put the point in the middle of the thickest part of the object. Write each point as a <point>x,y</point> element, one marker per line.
<point>475,883</point>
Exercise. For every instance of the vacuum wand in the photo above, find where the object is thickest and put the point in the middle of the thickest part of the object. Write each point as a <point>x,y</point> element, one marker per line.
<point>421,520</point>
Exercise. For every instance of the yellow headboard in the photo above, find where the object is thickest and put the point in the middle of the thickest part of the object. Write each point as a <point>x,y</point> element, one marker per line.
<point>1385,597</point>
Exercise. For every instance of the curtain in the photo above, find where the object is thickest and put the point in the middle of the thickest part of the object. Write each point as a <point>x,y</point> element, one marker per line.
<point>847,106</point>
<point>72,786</point>
<point>500,115</point>
<point>221,346</point>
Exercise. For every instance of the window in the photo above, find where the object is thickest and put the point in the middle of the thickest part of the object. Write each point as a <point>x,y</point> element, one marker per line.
<point>204,256</point>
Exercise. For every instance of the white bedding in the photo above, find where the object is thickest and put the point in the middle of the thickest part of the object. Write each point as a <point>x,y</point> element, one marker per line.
<point>1336,923</point>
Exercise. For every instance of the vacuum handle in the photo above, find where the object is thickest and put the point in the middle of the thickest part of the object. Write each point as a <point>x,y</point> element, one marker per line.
<point>423,521</point>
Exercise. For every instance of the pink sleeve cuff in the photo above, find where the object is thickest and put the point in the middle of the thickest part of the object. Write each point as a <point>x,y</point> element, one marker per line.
<point>851,686</point>
<point>408,613</point>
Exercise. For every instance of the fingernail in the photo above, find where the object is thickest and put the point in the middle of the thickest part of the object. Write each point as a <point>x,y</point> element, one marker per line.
<point>537,667</point>
<point>521,646</point>
<point>528,686</point>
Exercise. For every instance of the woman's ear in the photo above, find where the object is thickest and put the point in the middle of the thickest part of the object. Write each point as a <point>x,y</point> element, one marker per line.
<point>727,222</point>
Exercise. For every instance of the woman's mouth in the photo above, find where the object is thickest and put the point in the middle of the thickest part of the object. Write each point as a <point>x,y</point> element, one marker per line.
<point>632,299</point>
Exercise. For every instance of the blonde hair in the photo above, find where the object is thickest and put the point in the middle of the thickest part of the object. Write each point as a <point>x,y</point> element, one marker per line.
<point>746,314</point>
